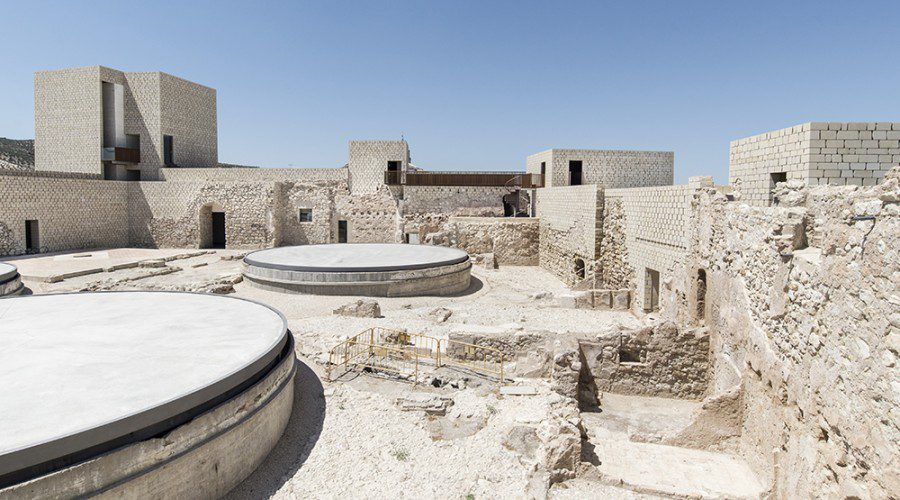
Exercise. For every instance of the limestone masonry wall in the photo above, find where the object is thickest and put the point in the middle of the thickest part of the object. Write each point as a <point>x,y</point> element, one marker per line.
<point>171,214</point>
<point>804,317</point>
<point>643,228</point>
<point>612,169</point>
<point>71,213</point>
<point>817,153</point>
<point>369,160</point>
<point>248,174</point>
<point>570,228</point>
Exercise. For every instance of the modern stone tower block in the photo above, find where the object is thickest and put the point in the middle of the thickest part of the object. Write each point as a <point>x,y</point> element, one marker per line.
<point>369,160</point>
<point>99,121</point>
<point>815,153</point>
<point>612,169</point>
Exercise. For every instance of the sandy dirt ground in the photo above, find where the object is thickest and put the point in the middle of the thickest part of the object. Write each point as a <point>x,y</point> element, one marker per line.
<point>350,438</point>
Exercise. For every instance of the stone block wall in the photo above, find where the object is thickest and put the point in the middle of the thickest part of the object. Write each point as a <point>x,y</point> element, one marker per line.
<point>612,169</point>
<point>72,213</point>
<point>643,228</point>
<point>570,228</point>
<point>188,113</point>
<point>69,119</point>
<point>368,162</point>
<point>661,361</point>
<point>68,124</point>
<point>816,153</point>
<point>319,197</point>
<point>251,174</point>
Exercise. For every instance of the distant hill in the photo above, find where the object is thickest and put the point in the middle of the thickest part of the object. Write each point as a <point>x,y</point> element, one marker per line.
<point>16,154</point>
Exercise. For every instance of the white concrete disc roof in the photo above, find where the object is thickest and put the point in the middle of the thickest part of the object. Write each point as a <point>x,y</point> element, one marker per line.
<point>7,272</point>
<point>78,370</point>
<point>356,257</point>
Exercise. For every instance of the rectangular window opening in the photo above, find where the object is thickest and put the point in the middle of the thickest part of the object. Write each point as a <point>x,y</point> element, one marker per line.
<point>306,215</point>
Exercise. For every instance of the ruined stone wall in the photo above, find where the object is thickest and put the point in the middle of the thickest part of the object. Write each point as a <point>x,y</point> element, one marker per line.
<point>570,228</point>
<point>662,360</point>
<point>172,214</point>
<point>802,309</point>
<point>318,197</point>
<point>371,218</point>
<point>513,241</point>
<point>817,153</point>
<point>427,209</point>
<point>72,213</point>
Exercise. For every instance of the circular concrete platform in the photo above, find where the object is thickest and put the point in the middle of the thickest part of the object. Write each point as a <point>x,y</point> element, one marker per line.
<point>372,269</point>
<point>10,281</point>
<point>92,375</point>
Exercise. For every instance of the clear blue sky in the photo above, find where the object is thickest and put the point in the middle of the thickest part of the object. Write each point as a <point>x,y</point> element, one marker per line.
<point>479,85</point>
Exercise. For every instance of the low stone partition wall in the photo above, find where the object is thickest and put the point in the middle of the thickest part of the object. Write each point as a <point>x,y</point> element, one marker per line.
<point>619,300</point>
<point>512,240</point>
<point>662,360</point>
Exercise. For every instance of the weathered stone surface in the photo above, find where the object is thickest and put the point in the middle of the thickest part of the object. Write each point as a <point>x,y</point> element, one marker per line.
<point>362,308</point>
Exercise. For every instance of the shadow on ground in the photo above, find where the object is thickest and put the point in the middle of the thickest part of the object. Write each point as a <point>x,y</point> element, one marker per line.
<point>299,438</point>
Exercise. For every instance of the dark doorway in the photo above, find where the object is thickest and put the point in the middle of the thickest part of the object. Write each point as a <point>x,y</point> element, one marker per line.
<point>579,268</point>
<point>774,179</point>
<point>701,295</point>
<point>132,175</point>
<point>651,290</point>
<point>169,150</point>
<point>32,237</point>
<point>544,171</point>
<point>393,166</point>
<point>342,231</point>
<point>218,230</point>
<point>575,173</point>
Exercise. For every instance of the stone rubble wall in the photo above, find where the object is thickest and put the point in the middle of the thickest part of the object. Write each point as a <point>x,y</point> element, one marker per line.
<point>513,241</point>
<point>661,361</point>
<point>816,153</point>
<point>802,308</point>
<point>171,214</point>
<point>71,213</point>
<point>570,227</point>
<point>453,200</point>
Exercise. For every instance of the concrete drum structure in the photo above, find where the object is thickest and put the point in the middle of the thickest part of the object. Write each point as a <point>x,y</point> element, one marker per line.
<point>382,270</point>
<point>10,281</point>
<point>95,384</point>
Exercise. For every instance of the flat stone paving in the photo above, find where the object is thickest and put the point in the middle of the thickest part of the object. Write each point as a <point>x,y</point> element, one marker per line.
<point>7,272</point>
<point>356,257</point>
<point>80,369</point>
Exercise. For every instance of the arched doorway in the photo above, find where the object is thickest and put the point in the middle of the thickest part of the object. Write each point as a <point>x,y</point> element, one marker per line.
<point>212,226</point>
<point>579,268</point>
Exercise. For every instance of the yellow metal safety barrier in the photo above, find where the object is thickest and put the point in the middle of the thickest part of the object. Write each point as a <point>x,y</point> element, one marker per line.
<point>385,349</point>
